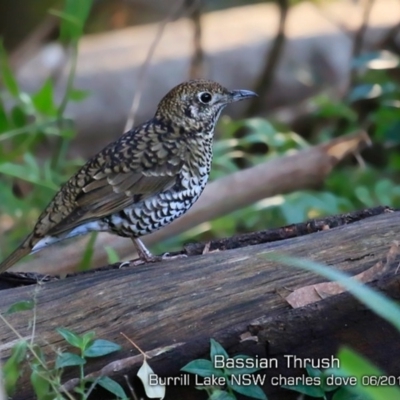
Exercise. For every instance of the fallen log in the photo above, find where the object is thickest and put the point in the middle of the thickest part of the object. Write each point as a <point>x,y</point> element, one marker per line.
<point>236,296</point>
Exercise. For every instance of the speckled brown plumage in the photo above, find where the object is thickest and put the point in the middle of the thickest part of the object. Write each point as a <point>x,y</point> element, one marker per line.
<point>144,180</point>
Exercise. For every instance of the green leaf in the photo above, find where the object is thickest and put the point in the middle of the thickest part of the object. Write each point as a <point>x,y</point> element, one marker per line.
<point>87,339</point>
<point>68,133</point>
<point>47,126</point>
<point>43,100</point>
<point>87,256</point>
<point>243,370</point>
<point>312,391</point>
<point>391,132</point>
<point>363,59</point>
<point>383,191</point>
<point>12,368</point>
<point>72,338</point>
<point>353,364</point>
<point>345,394</point>
<point>218,394</point>
<point>364,91</point>
<point>112,255</point>
<point>376,301</point>
<point>7,75</point>
<point>313,372</point>
<point>18,117</point>
<point>326,108</point>
<point>101,347</point>
<point>69,360</point>
<point>324,383</point>
<point>40,384</point>
<point>260,125</point>
<point>4,123</point>
<point>21,306</point>
<point>19,350</point>
<point>113,387</point>
<point>26,172</point>
<point>78,94</point>
<point>364,195</point>
<point>201,367</point>
<point>73,18</point>
<point>217,350</point>
<point>252,391</point>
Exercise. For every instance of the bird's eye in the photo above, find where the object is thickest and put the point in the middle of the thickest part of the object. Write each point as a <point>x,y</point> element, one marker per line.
<point>205,97</point>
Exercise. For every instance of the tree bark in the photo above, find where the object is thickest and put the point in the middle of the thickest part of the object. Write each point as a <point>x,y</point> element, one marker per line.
<point>237,296</point>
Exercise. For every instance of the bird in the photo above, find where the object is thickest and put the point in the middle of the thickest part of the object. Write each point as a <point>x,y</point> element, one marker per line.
<point>148,177</point>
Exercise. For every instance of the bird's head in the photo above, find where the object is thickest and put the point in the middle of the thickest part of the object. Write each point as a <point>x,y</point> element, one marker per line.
<point>196,105</point>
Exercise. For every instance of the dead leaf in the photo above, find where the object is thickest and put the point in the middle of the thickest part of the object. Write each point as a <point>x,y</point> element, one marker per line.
<point>145,374</point>
<point>392,254</point>
<point>313,293</point>
<point>247,336</point>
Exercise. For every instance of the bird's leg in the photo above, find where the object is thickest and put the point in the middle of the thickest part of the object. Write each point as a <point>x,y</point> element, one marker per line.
<point>143,252</point>
<point>145,256</point>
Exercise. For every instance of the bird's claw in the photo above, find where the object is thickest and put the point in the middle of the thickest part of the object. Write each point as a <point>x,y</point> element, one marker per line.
<point>152,259</point>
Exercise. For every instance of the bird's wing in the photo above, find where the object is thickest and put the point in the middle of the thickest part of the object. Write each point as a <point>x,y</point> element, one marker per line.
<point>112,181</point>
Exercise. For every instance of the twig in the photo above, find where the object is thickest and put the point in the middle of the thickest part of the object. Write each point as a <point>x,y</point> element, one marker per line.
<point>359,38</point>
<point>389,40</point>
<point>34,41</point>
<point>342,28</point>
<point>265,81</point>
<point>130,387</point>
<point>196,70</point>
<point>60,146</point>
<point>174,12</point>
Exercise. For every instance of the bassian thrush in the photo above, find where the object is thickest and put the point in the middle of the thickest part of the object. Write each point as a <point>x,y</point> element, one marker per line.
<point>143,181</point>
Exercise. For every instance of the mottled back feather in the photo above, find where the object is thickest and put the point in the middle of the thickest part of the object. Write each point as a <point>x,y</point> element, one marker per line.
<point>108,187</point>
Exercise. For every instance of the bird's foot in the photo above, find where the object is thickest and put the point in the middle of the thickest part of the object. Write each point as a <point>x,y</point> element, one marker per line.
<point>146,257</point>
<point>163,257</point>
<point>151,259</point>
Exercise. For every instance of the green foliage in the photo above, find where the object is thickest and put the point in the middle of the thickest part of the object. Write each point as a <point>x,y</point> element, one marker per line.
<point>372,103</point>
<point>21,306</point>
<point>206,369</point>
<point>29,122</point>
<point>112,255</point>
<point>86,259</point>
<point>367,375</point>
<point>12,369</point>
<point>45,376</point>
<point>73,18</point>
<point>88,347</point>
<point>370,382</point>
<point>111,386</point>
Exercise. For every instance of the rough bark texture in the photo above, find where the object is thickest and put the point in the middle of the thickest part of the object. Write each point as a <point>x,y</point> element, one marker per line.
<point>173,308</point>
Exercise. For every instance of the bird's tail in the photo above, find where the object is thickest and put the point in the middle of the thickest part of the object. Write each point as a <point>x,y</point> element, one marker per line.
<point>23,250</point>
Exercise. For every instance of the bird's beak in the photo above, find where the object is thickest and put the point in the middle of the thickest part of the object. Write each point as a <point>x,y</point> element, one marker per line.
<point>238,95</point>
